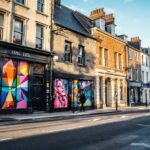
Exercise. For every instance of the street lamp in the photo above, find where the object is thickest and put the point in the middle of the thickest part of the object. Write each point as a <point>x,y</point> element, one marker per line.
<point>116,100</point>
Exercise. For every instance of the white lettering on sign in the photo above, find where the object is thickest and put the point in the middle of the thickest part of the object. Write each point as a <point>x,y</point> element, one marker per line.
<point>16,53</point>
<point>26,54</point>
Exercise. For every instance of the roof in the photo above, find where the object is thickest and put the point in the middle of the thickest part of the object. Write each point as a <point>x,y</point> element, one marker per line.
<point>72,20</point>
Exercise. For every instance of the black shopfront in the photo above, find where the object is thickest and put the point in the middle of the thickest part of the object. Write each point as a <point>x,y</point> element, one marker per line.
<point>24,79</point>
<point>134,93</point>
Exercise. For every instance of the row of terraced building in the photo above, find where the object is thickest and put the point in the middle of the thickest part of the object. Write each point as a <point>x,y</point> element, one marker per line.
<point>49,53</point>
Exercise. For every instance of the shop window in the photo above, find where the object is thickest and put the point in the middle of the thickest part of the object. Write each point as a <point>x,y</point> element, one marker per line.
<point>18,31</point>
<point>14,85</point>
<point>1,26</point>
<point>20,1</point>
<point>40,5</point>
<point>81,55</point>
<point>68,52</point>
<point>38,69</point>
<point>39,36</point>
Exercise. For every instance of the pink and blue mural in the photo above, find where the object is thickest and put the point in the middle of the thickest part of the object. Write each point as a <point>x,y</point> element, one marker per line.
<point>61,93</point>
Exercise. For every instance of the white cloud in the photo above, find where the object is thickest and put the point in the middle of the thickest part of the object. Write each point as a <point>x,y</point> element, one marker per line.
<point>109,11</point>
<point>76,8</point>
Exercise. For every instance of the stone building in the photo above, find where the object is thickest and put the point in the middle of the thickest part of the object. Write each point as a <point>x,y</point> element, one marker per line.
<point>111,85</point>
<point>134,71</point>
<point>145,73</point>
<point>24,54</point>
<point>74,66</point>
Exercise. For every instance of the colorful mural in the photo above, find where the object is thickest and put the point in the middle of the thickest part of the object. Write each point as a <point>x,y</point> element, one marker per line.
<point>75,94</point>
<point>61,93</point>
<point>14,84</point>
<point>8,84</point>
<point>22,85</point>
<point>86,87</point>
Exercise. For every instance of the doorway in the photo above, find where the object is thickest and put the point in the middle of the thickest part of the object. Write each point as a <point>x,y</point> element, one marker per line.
<point>38,88</point>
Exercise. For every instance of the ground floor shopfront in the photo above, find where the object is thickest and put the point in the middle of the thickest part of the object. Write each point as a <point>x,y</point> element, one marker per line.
<point>23,78</point>
<point>110,88</point>
<point>25,83</point>
<point>67,89</point>
<point>145,96</point>
<point>134,93</point>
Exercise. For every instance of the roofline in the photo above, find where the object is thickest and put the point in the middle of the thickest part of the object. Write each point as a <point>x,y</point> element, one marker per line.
<point>107,33</point>
<point>89,36</point>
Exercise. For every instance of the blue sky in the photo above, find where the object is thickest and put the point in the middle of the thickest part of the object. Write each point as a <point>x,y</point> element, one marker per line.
<point>132,16</point>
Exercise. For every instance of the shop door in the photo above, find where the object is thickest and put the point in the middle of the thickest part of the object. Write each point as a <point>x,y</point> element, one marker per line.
<point>38,89</point>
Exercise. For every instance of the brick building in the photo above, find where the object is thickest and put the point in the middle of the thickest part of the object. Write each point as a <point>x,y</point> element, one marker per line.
<point>134,71</point>
<point>111,83</point>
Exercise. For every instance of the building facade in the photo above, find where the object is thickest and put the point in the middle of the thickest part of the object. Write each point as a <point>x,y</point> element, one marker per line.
<point>134,72</point>
<point>110,62</point>
<point>24,55</point>
<point>74,68</point>
<point>145,72</point>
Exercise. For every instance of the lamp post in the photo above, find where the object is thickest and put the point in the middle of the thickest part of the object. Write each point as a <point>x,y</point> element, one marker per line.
<point>116,100</point>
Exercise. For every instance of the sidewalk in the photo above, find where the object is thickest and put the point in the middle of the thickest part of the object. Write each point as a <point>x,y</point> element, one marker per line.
<point>10,119</point>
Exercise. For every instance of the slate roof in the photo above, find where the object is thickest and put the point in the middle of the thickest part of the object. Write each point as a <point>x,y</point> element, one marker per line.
<point>72,20</point>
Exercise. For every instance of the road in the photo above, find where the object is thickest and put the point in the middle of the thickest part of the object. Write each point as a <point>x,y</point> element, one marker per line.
<point>122,131</point>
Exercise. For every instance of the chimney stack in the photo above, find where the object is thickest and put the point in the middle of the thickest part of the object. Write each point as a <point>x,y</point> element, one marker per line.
<point>97,14</point>
<point>110,19</point>
<point>135,42</point>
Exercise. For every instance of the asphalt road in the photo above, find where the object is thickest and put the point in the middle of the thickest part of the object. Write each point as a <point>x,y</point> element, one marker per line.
<point>107,132</point>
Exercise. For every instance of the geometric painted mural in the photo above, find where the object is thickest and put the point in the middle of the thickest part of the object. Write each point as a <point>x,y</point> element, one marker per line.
<point>7,98</point>
<point>14,90</point>
<point>61,93</point>
<point>9,73</point>
<point>22,85</point>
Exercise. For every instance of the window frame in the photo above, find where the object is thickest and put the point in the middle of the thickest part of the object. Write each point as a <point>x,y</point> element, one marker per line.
<point>41,4</point>
<point>41,39</point>
<point>130,53</point>
<point>68,52</point>
<point>21,32</point>
<point>81,58</point>
<point>2,27</point>
<point>106,57</point>
<point>130,73</point>
<point>21,2</point>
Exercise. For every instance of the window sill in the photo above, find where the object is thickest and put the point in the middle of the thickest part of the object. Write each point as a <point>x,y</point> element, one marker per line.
<point>68,63</point>
<point>22,5</point>
<point>81,65</point>
<point>41,13</point>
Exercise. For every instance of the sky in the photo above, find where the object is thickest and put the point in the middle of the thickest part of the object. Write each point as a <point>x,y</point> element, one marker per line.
<point>132,17</point>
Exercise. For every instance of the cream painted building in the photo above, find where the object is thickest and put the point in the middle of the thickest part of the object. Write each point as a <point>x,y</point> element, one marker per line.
<point>24,55</point>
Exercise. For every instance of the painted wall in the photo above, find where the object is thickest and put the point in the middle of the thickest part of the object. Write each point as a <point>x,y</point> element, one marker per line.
<point>14,84</point>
